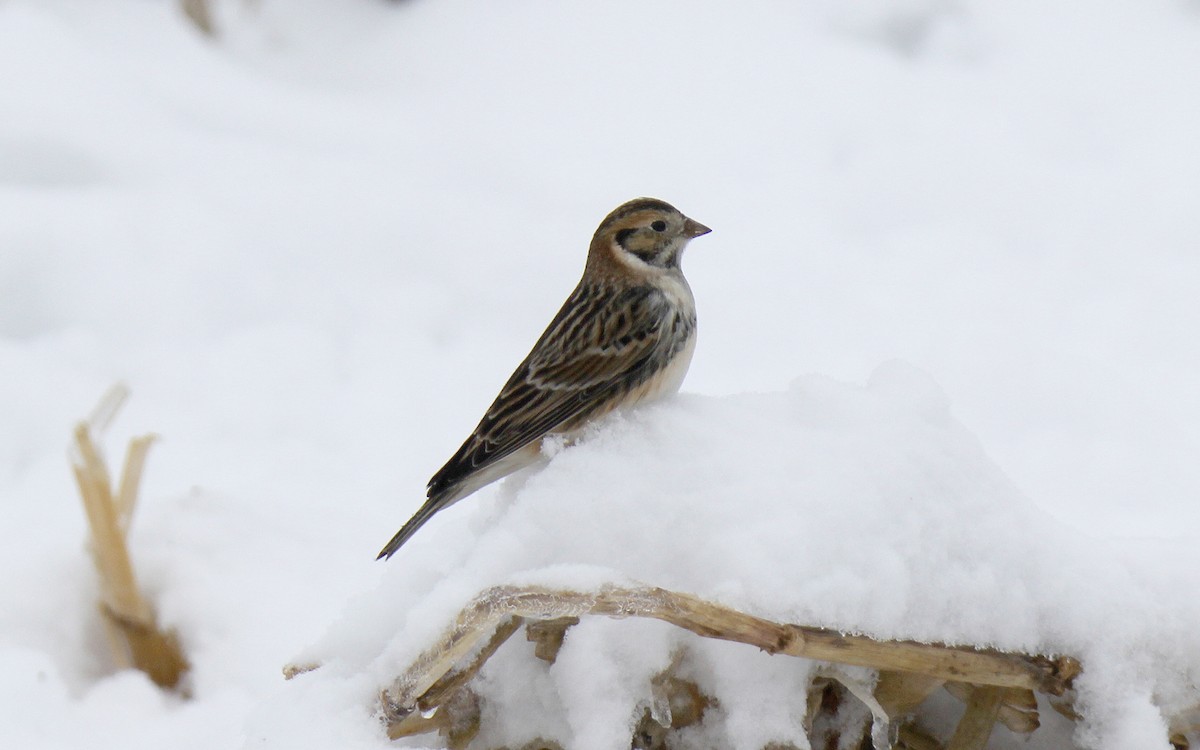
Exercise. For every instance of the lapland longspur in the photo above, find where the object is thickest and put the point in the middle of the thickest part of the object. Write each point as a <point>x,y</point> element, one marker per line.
<point>625,335</point>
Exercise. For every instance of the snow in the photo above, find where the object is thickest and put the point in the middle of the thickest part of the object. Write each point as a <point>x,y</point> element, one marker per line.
<point>316,246</point>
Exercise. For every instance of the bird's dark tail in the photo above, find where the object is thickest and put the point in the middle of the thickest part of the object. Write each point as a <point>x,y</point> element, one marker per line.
<point>431,506</point>
<point>409,528</point>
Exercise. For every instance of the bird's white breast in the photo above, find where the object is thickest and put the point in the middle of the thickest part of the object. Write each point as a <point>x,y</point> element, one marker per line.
<point>670,378</point>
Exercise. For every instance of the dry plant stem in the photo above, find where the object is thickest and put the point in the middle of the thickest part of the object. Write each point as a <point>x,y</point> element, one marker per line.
<point>547,636</point>
<point>913,737</point>
<point>404,722</point>
<point>128,618</point>
<point>414,724</point>
<point>452,681</point>
<point>146,648</point>
<point>485,612</point>
<point>900,693</point>
<point>976,724</point>
<point>291,671</point>
<point>1018,708</point>
<point>1065,707</point>
<point>119,586</point>
<point>107,407</point>
<point>131,479</point>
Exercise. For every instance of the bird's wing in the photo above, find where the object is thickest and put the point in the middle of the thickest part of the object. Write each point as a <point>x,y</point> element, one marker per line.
<point>602,342</point>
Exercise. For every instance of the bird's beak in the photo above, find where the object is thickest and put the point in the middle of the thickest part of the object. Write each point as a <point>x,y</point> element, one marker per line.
<point>693,229</point>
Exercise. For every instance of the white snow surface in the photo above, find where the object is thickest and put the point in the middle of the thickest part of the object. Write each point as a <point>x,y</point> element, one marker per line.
<point>317,245</point>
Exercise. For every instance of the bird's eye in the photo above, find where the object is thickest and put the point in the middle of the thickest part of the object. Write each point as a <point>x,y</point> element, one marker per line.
<point>659,226</point>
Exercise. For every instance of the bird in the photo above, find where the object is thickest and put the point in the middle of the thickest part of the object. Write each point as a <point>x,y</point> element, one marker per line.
<point>625,335</point>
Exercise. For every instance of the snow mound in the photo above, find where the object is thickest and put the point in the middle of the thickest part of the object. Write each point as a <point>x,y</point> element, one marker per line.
<point>865,509</point>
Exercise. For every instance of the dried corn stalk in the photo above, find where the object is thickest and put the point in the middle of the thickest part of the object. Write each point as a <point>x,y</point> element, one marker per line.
<point>129,620</point>
<point>433,693</point>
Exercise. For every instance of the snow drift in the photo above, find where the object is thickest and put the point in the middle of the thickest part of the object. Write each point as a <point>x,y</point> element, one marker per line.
<point>317,244</point>
<point>862,509</point>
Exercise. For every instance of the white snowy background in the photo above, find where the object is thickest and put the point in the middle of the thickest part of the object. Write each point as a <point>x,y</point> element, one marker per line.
<point>945,386</point>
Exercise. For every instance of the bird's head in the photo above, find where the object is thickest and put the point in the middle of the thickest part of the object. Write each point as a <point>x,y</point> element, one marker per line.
<point>643,235</point>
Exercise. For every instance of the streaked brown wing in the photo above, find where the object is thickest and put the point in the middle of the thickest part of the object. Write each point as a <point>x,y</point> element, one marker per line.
<point>602,342</point>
